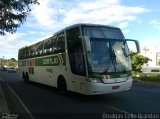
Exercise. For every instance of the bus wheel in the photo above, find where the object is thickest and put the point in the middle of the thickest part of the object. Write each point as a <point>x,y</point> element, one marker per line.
<point>27,78</point>
<point>62,87</point>
<point>23,76</point>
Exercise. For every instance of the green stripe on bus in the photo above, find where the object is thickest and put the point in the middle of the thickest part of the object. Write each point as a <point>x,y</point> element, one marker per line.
<point>112,76</point>
<point>95,75</point>
<point>51,61</point>
<point>56,60</point>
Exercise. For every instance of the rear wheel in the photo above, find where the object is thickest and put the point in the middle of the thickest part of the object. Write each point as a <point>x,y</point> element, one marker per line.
<point>25,77</point>
<point>62,86</point>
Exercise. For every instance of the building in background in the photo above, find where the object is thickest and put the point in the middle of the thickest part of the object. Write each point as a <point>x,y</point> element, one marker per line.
<point>150,53</point>
<point>154,55</point>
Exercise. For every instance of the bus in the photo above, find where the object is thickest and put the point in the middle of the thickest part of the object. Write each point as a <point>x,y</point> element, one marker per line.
<point>89,59</point>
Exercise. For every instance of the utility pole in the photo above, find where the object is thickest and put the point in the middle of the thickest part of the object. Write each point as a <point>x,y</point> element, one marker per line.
<point>145,50</point>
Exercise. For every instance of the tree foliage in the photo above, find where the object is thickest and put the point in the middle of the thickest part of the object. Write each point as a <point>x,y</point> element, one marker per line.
<point>9,62</point>
<point>159,62</point>
<point>13,13</point>
<point>138,61</point>
<point>13,59</point>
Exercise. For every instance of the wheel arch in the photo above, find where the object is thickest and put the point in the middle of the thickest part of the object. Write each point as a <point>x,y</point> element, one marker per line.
<point>62,84</point>
<point>60,78</point>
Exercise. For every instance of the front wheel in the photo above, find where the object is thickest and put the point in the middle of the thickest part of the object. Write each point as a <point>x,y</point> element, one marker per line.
<point>62,86</point>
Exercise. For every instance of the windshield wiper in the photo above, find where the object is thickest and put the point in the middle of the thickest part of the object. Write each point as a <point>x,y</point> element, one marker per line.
<point>115,58</point>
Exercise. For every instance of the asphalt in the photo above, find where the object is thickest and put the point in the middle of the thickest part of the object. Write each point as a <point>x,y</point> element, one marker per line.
<point>146,83</point>
<point>3,102</point>
<point>10,105</point>
<point>7,103</point>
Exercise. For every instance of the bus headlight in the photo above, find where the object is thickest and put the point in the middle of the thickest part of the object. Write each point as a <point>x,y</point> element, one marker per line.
<point>129,78</point>
<point>95,80</point>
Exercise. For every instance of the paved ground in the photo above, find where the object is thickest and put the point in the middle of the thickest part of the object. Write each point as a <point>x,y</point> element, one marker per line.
<point>3,103</point>
<point>41,101</point>
<point>146,83</point>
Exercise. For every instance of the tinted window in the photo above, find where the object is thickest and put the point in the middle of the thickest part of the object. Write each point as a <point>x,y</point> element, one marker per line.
<point>103,32</point>
<point>75,51</point>
<point>31,51</point>
<point>48,46</point>
<point>39,49</point>
<point>23,53</point>
<point>60,44</point>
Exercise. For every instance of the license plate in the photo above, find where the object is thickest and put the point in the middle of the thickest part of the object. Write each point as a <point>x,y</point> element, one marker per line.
<point>115,87</point>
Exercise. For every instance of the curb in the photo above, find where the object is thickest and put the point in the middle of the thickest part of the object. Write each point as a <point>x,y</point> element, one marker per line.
<point>3,102</point>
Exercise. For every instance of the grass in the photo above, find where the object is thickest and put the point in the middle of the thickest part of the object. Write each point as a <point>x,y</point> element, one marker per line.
<point>152,77</point>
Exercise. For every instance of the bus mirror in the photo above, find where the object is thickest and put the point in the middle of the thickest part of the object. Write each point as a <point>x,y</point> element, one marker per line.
<point>133,45</point>
<point>87,43</point>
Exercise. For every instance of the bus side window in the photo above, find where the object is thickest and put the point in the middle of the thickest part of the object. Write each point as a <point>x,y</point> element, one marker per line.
<point>33,54</point>
<point>54,44</point>
<point>39,48</point>
<point>47,49</point>
<point>27,53</point>
<point>60,44</point>
<point>30,52</point>
<point>23,54</point>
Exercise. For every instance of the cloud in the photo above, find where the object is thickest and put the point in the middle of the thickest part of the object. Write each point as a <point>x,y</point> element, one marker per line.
<point>43,13</point>
<point>155,23</point>
<point>123,26</point>
<point>54,13</point>
<point>97,4</point>
<point>10,44</point>
<point>10,38</point>
<point>99,12</point>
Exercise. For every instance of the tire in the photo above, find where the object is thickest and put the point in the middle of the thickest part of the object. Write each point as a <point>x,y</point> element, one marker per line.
<point>62,86</point>
<point>26,80</point>
<point>23,76</point>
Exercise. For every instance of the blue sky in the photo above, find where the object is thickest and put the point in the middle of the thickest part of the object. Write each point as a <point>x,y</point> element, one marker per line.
<point>138,19</point>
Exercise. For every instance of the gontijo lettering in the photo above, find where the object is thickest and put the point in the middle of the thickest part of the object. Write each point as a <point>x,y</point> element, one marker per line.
<point>50,61</point>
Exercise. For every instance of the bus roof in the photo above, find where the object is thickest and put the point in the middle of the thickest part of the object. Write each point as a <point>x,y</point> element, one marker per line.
<point>84,24</point>
<point>72,26</point>
<point>88,24</point>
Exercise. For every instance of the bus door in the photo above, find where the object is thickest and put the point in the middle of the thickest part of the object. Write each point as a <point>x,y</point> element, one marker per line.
<point>76,58</point>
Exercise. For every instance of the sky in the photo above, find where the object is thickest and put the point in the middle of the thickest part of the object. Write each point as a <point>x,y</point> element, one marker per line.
<point>138,19</point>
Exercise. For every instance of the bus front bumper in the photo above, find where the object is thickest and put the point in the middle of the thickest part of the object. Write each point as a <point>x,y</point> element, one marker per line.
<point>102,88</point>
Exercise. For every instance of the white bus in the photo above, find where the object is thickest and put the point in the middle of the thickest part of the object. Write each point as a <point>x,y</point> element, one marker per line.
<point>85,58</point>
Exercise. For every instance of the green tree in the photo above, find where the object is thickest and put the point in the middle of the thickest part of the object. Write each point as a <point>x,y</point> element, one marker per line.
<point>13,13</point>
<point>11,63</point>
<point>138,61</point>
<point>159,62</point>
<point>13,59</point>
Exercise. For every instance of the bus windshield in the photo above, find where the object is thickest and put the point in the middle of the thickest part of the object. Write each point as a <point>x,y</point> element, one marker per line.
<point>109,51</point>
<point>108,56</point>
